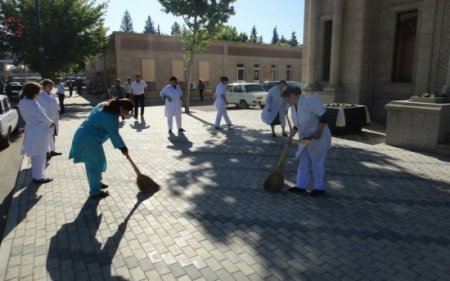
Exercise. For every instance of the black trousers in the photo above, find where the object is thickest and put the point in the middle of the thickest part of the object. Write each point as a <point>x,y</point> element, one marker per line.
<point>201,94</point>
<point>61,103</point>
<point>139,100</point>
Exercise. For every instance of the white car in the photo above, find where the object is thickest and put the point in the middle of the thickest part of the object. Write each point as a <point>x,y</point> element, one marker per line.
<point>9,118</point>
<point>246,94</point>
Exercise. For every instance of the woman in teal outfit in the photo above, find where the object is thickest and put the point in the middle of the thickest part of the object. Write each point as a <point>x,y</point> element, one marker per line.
<point>87,145</point>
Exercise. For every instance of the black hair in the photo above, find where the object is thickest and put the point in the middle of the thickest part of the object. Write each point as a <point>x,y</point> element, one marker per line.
<point>30,90</point>
<point>113,105</point>
<point>173,78</point>
<point>296,91</point>
<point>224,78</point>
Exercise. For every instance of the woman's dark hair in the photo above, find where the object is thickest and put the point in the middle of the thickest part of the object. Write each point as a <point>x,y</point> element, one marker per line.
<point>224,78</point>
<point>173,78</point>
<point>30,90</point>
<point>296,91</point>
<point>113,105</point>
<point>46,82</point>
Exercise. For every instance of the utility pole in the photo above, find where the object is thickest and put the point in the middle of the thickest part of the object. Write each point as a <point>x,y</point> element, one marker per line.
<point>40,42</point>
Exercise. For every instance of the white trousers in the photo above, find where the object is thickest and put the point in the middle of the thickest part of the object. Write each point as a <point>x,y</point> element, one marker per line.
<point>222,111</point>
<point>306,166</point>
<point>51,142</point>
<point>38,166</point>
<point>177,120</point>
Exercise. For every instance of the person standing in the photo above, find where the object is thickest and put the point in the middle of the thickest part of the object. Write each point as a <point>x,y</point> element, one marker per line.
<point>310,120</point>
<point>1,87</point>
<point>79,83</point>
<point>173,97</point>
<point>60,94</point>
<point>138,91</point>
<point>48,101</point>
<point>37,129</point>
<point>101,124</point>
<point>70,85</point>
<point>127,88</point>
<point>274,112</point>
<point>220,101</point>
<point>201,89</point>
<point>117,91</point>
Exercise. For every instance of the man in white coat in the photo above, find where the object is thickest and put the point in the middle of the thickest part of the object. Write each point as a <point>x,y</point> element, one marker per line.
<point>48,101</point>
<point>173,97</point>
<point>274,112</point>
<point>37,128</point>
<point>310,121</point>
<point>220,101</point>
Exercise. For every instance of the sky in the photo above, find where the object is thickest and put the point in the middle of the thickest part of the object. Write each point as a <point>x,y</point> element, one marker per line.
<point>286,15</point>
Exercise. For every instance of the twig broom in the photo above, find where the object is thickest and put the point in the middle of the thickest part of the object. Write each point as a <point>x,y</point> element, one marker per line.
<point>144,183</point>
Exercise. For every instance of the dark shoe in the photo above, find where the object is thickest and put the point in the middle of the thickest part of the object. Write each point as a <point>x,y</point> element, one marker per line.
<point>48,156</point>
<point>218,128</point>
<point>274,135</point>
<point>317,192</point>
<point>170,132</point>
<point>54,153</point>
<point>297,190</point>
<point>100,195</point>
<point>135,116</point>
<point>285,135</point>
<point>42,181</point>
<point>103,186</point>
<point>181,130</point>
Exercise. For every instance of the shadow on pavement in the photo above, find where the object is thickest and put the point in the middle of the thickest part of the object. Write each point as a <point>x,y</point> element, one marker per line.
<point>371,222</point>
<point>76,254</point>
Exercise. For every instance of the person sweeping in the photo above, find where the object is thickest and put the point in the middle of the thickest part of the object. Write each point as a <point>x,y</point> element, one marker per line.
<point>87,145</point>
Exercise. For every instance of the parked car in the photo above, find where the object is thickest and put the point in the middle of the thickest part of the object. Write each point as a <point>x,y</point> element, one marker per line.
<point>269,84</point>
<point>15,88</point>
<point>9,118</point>
<point>246,94</point>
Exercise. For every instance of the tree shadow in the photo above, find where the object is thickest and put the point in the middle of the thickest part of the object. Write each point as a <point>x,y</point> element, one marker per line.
<point>374,219</point>
<point>76,254</point>
<point>180,142</point>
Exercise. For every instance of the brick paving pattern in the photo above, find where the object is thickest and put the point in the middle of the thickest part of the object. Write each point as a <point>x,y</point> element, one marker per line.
<point>386,215</point>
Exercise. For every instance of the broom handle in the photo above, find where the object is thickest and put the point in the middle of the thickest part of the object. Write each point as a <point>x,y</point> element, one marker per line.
<point>135,168</point>
<point>286,145</point>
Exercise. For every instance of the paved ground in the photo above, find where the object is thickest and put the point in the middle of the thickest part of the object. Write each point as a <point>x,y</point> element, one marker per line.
<point>386,215</point>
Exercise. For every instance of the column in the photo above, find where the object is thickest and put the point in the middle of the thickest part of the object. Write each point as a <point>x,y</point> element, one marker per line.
<point>313,14</point>
<point>336,43</point>
<point>448,72</point>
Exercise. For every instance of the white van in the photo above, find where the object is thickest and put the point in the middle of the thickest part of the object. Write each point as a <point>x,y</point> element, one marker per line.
<point>9,118</point>
<point>246,94</point>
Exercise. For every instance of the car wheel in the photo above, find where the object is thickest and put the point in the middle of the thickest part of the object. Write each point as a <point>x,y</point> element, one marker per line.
<point>243,104</point>
<point>4,143</point>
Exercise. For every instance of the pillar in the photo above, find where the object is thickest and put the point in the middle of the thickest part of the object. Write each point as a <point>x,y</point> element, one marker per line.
<point>336,44</point>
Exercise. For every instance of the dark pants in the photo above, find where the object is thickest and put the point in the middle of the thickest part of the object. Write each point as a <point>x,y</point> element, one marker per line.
<point>61,98</point>
<point>139,99</point>
<point>70,91</point>
<point>201,94</point>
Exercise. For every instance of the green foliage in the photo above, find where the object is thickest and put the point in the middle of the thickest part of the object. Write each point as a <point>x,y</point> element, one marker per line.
<point>275,37</point>
<point>127,22</point>
<point>293,41</point>
<point>253,35</point>
<point>72,32</point>
<point>229,33</point>
<point>283,41</point>
<point>175,29</point>
<point>149,26</point>
<point>260,40</point>
<point>158,30</point>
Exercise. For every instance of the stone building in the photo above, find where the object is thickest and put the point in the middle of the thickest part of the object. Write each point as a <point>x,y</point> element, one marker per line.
<point>157,58</point>
<point>374,51</point>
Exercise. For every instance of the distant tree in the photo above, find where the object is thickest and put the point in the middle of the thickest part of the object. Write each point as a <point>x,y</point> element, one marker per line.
<point>253,35</point>
<point>229,33</point>
<point>275,37</point>
<point>283,41</point>
<point>260,40</point>
<point>202,19</point>
<point>243,37</point>
<point>65,46</point>
<point>293,41</point>
<point>149,26</point>
<point>127,23</point>
<point>175,30</point>
<point>158,30</point>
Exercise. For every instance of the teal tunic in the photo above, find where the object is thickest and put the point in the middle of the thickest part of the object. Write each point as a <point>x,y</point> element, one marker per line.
<point>87,144</point>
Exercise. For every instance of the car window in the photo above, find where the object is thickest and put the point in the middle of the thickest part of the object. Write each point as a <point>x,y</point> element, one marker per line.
<point>237,89</point>
<point>294,84</point>
<point>253,88</point>
<point>229,88</point>
<point>6,105</point>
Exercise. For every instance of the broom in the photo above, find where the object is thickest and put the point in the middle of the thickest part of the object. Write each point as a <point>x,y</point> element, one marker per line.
<point>275,181</point>
<point>144,183</point>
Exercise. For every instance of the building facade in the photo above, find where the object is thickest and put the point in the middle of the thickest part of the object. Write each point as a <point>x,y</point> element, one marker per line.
<point>157,58</point>
<point>374,51</point>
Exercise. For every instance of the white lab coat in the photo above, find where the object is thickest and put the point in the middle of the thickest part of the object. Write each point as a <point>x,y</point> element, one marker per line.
<point>49,102</point>
<point>274,105</point>
<point>173,107</point>
<point>37,127</point>
<point>306,119</point>
<point>221,90</point>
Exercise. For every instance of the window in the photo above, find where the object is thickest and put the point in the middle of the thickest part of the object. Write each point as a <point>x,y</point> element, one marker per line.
<point>256,72</point>
<point>240,71</point>
<point>237,89</point>
<point>273,72</point>
<point>405,43</point>
<point>327,34</point>
<point>254,88</point>
<point>288,72</point>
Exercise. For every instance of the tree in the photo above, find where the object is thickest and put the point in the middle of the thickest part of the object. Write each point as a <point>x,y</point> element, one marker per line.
<point>283,41</point>
<point>66,46</point>
<point>149,26</point>
<point>175,30</point>
<point>260,40</point>
<point>293,41</point>
<point>158,30</point>
<point>229,33</point>
<point>275,37</point>
<point>253,35</point>
<point>127,22</point>
<point>202,19</point>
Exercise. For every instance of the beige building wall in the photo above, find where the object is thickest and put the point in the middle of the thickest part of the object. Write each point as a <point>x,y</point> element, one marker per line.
<point>157,58</point>
<point>363,41</point>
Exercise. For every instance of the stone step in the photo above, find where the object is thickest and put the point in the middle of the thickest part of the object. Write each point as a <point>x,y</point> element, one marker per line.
<point>443,149</point>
